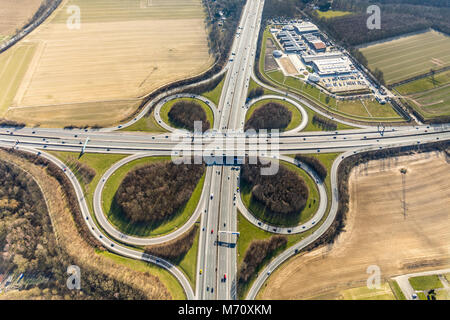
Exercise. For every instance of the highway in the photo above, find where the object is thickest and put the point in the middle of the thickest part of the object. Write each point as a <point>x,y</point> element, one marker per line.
<point>218,279</point>
<point>219,201</point>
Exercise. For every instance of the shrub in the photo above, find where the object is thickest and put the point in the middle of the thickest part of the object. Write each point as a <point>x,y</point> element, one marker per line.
<point>324,123</point>
<point>256,253</point>
<point>315,164</point>
<point>256,92</point>
<point>176,249</point>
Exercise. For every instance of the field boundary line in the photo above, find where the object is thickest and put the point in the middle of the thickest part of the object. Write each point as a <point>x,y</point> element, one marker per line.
<point>28,77</point>
<point>2,101</point>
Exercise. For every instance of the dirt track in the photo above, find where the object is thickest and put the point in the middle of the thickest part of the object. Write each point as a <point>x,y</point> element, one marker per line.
<point>378,232</point>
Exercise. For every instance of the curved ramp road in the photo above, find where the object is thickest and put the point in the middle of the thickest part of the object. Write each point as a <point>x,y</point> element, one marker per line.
<point>166,126</point>
<point>302,110</point>
<point>142,241</point>
<point>104,240</point>
<point>305,102</point>
<point>299,228</point>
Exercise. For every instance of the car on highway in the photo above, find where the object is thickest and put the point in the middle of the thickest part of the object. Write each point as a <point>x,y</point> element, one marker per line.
<point>212,196</point>
<point>212,231</point>
<point>201,271</point>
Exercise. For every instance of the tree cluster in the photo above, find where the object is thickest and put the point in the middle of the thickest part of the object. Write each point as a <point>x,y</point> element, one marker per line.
<point>155,192</point>
<point>283,8</point>
<point>256,254</point>
<point>81,170</point>
<point>314,163</point>
<point>28,245</point>
<point>184,113</point>
<point>324,123</point>
<point>398,17</point>
<point>221,32</point>
<point>174,250</point>
<point>69,193</point>
<point>284,193</point>
<point>271,115</point>
<point>206,86</point>
<point>255,93</point>
<point>11,123</point>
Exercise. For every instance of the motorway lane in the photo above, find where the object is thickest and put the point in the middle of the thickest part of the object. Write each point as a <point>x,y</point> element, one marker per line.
<point>217,261</point>
<point>301,142</point>
<point>233,116</point>
<point>132,143</point>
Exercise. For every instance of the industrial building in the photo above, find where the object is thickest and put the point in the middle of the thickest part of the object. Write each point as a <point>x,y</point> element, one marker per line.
<point>306,28</point>
<point>307,50</point>
<point>331,65</point>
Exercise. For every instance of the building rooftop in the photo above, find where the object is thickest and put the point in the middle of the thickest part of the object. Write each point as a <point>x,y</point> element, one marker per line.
<point>306,27</point>
<point>318,45</point>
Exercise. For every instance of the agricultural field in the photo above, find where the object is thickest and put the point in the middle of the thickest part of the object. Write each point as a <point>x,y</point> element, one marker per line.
<point>430,96</point>
<point>97,74</point>
<point>377,232</point>
<point>409,56</point>
<point>14,14</point>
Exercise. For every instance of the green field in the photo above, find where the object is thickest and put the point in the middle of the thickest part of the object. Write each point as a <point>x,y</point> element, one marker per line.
<point>364,293</point>
<point>146,124</point>
<point>332,13</point>
<point>365,110</point>
<point>165,109</point>
<point>430,97</point>
<point>425,282</point>
<point>398,293</point>
<point>424,84</point>
<point>189,262</point>
<point>99,162</point>
<point>409,56</point>
<point>214,95</point>
<point>13,66</point>
<point>262,213</point>
<point>144,230</point>
<point>296,115</point>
